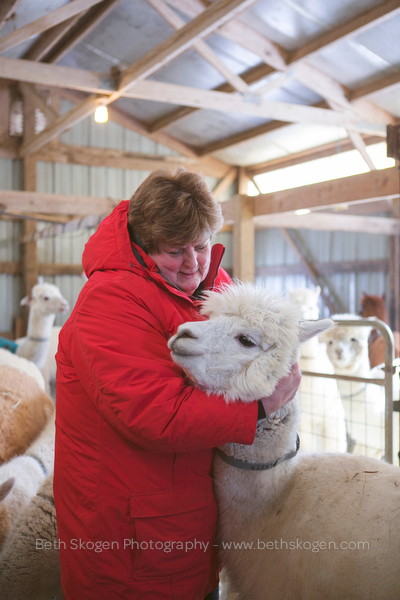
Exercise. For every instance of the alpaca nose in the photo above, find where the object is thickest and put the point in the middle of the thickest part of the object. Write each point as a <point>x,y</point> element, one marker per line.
<point>186,333</point>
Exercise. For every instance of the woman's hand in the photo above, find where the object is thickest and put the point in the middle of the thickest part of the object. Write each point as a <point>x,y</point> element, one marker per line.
<point>284,392</point>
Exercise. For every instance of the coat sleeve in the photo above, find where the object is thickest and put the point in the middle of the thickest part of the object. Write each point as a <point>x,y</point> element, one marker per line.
<point>118,349</point>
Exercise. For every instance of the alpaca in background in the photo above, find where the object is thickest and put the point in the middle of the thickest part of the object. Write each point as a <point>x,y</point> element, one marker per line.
<point>322,423</point>
<point>374,306</point>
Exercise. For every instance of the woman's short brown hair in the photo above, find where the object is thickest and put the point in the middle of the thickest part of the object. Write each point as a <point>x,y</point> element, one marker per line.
<point>173,206</point>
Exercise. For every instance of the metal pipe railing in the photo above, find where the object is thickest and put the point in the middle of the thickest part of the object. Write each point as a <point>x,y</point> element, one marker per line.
<point>386,381</point>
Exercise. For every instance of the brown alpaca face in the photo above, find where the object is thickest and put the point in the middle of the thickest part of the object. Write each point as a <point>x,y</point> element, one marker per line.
<point>373,306</point>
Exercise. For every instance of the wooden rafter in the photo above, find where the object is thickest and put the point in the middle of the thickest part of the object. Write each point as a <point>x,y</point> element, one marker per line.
<point>166,92</point>
<point>172,47</point>
<point>44,23</point>
<point>85,25</point>
<point>375,185</point>
<point>225,182</point>
<point>329,149</point>
<point>332,302</point>
<point>330,222</point>
<point>210,166</point>
<point>50,38</point>
<point>277,58</point>
<point>202,48</point>
<point>355,26</point>
<point>111,158</point>
<point>7,8</point>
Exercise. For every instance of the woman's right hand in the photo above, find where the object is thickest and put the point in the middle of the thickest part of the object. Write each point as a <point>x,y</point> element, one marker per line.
<point>284,392</point>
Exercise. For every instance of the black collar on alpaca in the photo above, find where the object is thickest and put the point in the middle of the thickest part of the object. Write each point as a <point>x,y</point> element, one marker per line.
<point>240,464</point>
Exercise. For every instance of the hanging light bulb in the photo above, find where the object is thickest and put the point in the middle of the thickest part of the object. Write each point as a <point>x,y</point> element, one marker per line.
<point>101,114</point>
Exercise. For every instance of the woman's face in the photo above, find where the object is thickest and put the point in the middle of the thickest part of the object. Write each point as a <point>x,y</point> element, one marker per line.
<point>184,266</point>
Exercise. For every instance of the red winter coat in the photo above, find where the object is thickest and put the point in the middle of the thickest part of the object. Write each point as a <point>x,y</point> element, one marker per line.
<point>136,513</point>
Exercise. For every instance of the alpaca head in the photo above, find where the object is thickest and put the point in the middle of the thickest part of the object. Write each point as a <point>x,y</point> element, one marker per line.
<point>248,344</point>
<point>46,299</point>
<point>347,346</point>
<point>307,299</point>
<point>374,306</point>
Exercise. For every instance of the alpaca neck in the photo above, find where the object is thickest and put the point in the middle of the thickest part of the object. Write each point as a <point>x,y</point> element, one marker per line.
<point>275,437</point>
<point>39,326</point>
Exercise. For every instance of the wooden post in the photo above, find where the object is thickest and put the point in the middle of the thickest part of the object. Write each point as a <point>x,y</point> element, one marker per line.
<point>29,250</point>
<point>394,308</point>
<point>243,232</point>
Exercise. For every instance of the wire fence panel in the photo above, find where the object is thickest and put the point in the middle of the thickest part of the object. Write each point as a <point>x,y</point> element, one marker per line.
<point>346,412</point>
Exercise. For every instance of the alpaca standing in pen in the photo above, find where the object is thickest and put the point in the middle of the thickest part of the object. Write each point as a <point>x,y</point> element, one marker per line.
<point>322,424</point>
<point>374,306</point>
<point>40,343</point>
<point>291,525</point>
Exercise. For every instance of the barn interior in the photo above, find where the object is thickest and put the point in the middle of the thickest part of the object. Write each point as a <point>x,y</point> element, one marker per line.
<point>283,105</point>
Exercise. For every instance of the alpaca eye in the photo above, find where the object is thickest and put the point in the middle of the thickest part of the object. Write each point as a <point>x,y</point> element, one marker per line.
<point>353,340</point>
<point>46,298</point>
<point>245,341</point>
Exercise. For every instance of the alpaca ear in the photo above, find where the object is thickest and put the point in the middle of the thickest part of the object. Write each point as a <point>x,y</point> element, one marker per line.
<point>40,279</point>
<point>317,292</point>
<point>309,329</point>
<point>26,300</point>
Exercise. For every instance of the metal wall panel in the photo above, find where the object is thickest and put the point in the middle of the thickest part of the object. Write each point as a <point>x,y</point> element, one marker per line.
<point>10,232</point>
<point>326,247</point>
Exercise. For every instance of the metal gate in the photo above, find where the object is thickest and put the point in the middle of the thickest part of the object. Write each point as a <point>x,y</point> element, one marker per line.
<point>371,412</point>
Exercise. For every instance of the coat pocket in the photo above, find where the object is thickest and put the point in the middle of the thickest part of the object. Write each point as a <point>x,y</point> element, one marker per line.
<point>175,531</point>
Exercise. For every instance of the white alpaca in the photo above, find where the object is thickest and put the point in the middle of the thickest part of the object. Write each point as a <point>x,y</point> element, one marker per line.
<point>296,519</point>
<point>364,404</point>
<point>29,560</point>
<point>322,423</point>
<point>40,343</point>
<point>26,474</point>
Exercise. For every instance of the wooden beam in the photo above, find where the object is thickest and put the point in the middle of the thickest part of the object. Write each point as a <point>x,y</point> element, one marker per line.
<point>18,69</point>
<point>7,8</point>
<point>117,159</point>
<point>243,233</point>
<point>51,75</point>
<point>238,32</point>
<point>357,189</point>
<point>225,182</point>
<point>202,48</point>
<point>333,304</point>
<point>87,23</point>
<point>30,94</point>
<point>44,23</point>
<point>53,204</point>
<point>355,26</point>
<point>330,222</point>
<point>276,56</point>
<point>251,105</point>
<point>204,24</point>
<point>385,83</point>
<point>50,38</point>
<point>375,185</point>
<point>297,158</point>
<point>172,47</point>
<point>210,166</point>
<point>29,251</point>
<point>360,145</point>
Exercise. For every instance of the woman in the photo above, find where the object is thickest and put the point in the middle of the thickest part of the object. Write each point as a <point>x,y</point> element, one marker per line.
<point>134,444</point>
